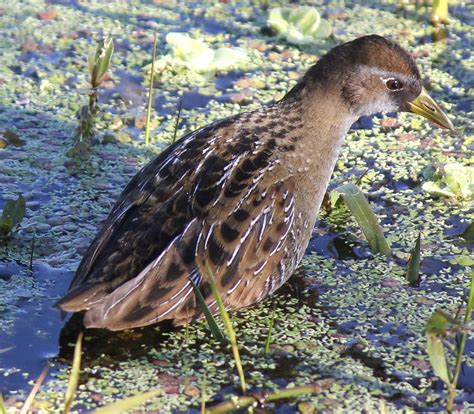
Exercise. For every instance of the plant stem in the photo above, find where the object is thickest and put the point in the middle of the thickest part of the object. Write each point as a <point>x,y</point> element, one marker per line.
<point>462,343</point>
<point>242,402</point>
<point>270,327</point>
<point>229,328</point>
<point>178,117</point>
<point>150,93</point>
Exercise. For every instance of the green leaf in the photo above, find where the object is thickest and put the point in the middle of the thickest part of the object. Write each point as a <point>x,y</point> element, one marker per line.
<point>128,403</point>
<point>74,376</point>
<point>452,180</point>
<point>2,405</point>
<point>14,210</point>
<point>435,350</point>
<point>228,324</point>
<point>413,265</point>
<point>298,25</point>
<point>365,217</point>
<point>207,313</point>
<point>6,226</point>
<point>470,301</point>
<point>100,62</point>
<point>438,323</point>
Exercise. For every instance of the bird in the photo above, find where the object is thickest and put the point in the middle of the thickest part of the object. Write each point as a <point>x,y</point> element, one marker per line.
<point>237,200</point>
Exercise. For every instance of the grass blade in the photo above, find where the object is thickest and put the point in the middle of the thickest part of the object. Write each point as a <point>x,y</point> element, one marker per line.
<point>365,217</point>
<point>413,265</point>
<point>207,313</point>
<point>178,117</point>
<point>34,390</point>
<point>203,394</point>
<point>2,405</point>
<point>74,377</point>
<point>270,328</point>
<point>128,403</point>
<point>242,402</point>
<point>229,328</point>
<point>460,348</point>
<point>150,93</point>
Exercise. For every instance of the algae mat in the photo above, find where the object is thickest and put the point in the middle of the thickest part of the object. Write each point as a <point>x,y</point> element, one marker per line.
<point>347,315</point>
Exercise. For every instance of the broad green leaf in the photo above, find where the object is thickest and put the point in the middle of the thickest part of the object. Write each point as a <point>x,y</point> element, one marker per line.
<point>452,180</point>
<point>365,217</point>
<point>74,376</point>
<point>413,265</point>
<point>14,210</point>
<point>298,25</point>
<point>128,403</point>
<point>435,350</point>
<point>197,56</point>
<point>207,313</point>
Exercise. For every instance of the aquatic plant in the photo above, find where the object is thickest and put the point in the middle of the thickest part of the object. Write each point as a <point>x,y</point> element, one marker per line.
<point>128,403</point>
<point>98,64</point>
<point>439,12</point>
<point>299,25</point>
<point>150,93</point>
<point>12,215</point>
<point>74,376</point>
<point>228,325</point>
<point>445,332</point>
<point>450,180</point>
<point>413,265</point>
<point>363,214</point>
<point>196,56</point>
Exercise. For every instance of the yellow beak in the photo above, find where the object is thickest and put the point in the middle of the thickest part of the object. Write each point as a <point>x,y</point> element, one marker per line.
<point>427,107</point>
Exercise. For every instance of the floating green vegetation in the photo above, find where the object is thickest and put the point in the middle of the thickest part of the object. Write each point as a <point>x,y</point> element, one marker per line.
<point>128,403</point>
<point>299,25</point>
<point>98,65</point>
<point>12,215</point>
<point>451,180</point>
<point>196,56</point>
<point>446,332</point>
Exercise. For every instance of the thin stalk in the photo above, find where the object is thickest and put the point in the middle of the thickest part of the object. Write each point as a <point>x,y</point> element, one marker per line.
<point>74,377</point>
<point>203,394</point>
<point>34,390</point>
<point>270,328</point>
<point>462,343</point>
<point>150,93</point>
<point>178,117</point>
<point>32,251</point>
<point>242,402</point>
<point>2,405</point>
<point>229,328</point>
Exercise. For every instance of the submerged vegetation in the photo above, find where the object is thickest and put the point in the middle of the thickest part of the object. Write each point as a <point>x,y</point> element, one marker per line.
<point>353,328</point>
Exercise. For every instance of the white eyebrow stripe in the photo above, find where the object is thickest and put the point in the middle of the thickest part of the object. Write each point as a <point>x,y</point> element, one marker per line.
<point>385,74</point>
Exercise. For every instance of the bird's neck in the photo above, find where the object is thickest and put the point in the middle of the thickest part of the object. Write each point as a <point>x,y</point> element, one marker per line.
<point>319,121</point>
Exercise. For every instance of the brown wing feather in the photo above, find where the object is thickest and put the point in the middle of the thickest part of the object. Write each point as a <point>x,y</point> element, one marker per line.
<point>239,259</point>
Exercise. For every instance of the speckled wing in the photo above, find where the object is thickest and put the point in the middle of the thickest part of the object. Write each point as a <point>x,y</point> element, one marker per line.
<point>151,212</point>
<point>245,252</point>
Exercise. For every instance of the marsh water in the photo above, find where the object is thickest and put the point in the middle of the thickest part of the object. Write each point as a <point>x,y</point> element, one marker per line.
<point>347,314</point>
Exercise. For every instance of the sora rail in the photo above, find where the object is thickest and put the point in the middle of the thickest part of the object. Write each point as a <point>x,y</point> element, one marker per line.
<point>239,196</point>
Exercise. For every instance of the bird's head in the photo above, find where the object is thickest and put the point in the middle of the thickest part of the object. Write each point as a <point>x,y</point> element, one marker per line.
<point>373,74</point>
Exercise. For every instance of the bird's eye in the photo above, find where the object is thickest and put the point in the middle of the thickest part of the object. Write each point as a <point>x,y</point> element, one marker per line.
<point>393,84</point>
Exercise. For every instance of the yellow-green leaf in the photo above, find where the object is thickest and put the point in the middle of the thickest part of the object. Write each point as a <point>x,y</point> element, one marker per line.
<point>128,403</point>
<point>74,376</point>
<point>365,217</point>
<point>435,349</point>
